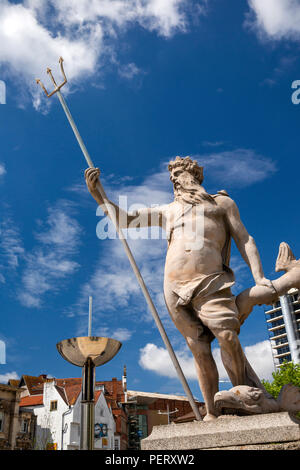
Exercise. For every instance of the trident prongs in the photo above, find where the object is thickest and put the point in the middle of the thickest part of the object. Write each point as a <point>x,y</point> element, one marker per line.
<point>57,87</point>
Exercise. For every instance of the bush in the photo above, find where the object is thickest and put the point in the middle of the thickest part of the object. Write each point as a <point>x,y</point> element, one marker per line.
<point>288,373</point>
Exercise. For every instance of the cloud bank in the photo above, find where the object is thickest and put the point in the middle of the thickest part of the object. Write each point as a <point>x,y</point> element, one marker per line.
<point>275,19</point>
<point>156,359</point>
<point>35,33</point>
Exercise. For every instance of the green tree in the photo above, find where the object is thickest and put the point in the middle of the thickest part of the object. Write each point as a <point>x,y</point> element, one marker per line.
<point>287,373</point>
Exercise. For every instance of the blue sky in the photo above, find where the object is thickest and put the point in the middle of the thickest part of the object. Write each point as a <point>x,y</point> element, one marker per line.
<point>147,81</point>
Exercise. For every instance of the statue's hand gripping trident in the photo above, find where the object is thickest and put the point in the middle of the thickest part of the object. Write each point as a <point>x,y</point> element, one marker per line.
<point>111,212</point>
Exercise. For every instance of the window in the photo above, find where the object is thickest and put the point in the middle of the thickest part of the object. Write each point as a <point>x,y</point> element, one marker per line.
<point>283,350</point>
<point>53,405</point>
<point>142,426</point>
<point>24,426</point>
<point>117,444</point>
<point>285,358</point>
<point>1,420</point>
<point>281,340</point>
<point>280,331</point>
<point>277,323</point>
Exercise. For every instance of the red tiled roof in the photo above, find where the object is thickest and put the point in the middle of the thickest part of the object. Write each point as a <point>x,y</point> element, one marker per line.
<point>113,387</point>
<point>70,388</point>
<point>34,384</point>
<point>72,392</point>
<point>32,400</point>
<point>62,393</point>
<point>13,382</point>
<point>71,381</point>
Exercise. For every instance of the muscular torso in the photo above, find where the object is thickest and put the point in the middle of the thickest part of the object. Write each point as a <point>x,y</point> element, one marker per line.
<point>196,242</point>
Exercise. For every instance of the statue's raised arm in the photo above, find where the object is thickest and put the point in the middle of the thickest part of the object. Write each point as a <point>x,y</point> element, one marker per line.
<point>145,217</point>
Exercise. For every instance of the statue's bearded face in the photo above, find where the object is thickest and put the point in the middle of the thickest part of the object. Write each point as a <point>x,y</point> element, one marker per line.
<point>183,178</point>
<point>187,187</point>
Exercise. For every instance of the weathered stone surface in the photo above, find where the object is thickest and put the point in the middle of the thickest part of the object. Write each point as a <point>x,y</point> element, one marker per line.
<point>295,445</point>
<point>226,432</point>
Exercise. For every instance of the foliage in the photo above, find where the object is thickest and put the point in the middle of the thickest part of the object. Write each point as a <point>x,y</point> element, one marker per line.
<point>287,373</point>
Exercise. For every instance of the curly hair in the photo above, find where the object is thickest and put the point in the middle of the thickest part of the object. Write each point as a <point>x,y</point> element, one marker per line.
<point>187,164</point>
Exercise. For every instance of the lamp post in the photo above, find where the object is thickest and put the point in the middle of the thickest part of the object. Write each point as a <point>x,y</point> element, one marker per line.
<point>88,352</point>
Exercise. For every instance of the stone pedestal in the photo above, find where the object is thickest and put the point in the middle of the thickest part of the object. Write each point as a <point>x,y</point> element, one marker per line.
<point>234,432</point>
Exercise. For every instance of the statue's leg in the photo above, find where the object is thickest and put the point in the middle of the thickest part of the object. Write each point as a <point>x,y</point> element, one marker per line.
<point>207,372</point>
<point>198,338</point>
<point>248,377</point>
<point>219,313</point>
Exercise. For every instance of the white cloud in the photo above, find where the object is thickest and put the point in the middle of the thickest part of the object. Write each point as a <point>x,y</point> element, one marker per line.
<point>236,168</point>
<point>4,378</point>
<point>129,71</point>
<point>27,47</point>
<point>276,19</point>
<point>162,16</point>
<point>121,334</point>
<point>157,359</point>
<point>2,169</point>
<point>260,357</point>
<point>51,260</point>
<point>35,33</point>
<point>11,246</point>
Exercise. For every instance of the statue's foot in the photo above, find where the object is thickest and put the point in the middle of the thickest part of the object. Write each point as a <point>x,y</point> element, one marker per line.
<point>209,417</point>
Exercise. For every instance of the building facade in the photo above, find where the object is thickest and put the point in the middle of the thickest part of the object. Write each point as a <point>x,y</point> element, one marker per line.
<point>283,323</point>
<point>57,408</point>
<point>122,417</point>
<point>145,410</point>
<point>17,426</point>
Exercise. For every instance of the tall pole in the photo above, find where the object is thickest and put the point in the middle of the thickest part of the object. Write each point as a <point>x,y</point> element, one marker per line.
<point>87,406</point>
<point>290,327</point>
<point>90,315</point>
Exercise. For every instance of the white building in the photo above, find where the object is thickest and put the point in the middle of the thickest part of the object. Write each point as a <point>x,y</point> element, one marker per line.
<point>283,321</point>
<point>57,405</point>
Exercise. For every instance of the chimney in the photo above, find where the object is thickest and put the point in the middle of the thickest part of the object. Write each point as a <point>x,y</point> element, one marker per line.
<point>114,387</point>
<point>124,383</point>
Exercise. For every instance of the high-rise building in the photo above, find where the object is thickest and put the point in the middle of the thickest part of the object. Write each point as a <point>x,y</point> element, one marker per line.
<point>283,322</point>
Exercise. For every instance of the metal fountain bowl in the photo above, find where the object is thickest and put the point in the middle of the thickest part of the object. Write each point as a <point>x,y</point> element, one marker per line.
<point>78,350</point>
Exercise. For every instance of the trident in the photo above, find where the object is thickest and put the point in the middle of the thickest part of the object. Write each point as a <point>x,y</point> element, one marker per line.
<point>113,218</point>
